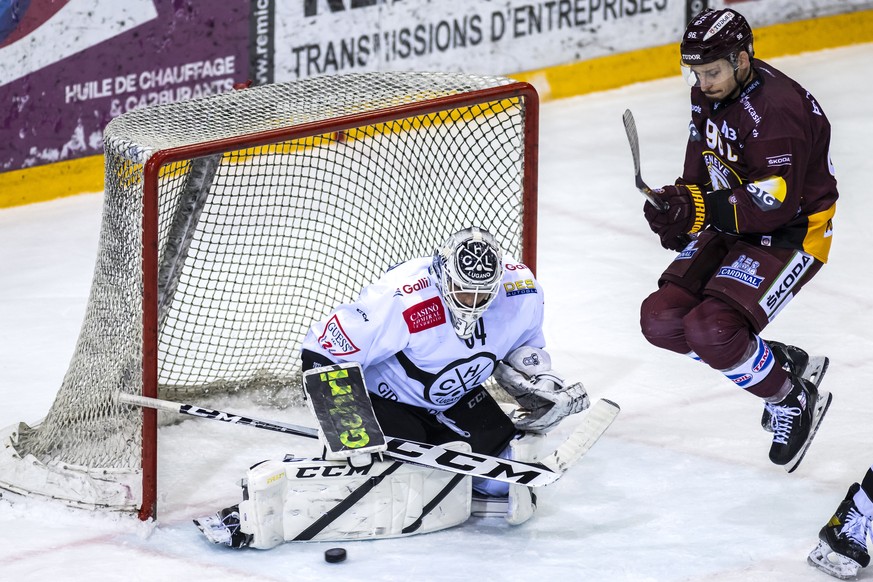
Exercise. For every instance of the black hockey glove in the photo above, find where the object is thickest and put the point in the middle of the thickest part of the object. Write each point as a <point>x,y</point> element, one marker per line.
<point>685,214</point>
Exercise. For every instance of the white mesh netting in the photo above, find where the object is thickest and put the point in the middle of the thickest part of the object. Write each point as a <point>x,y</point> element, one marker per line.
<point>258,238</point>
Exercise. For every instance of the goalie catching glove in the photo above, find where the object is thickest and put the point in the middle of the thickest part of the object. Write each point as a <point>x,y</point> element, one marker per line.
<point>527,375</point>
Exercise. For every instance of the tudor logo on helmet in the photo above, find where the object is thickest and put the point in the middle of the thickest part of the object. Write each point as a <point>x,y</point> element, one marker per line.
<point>719,24</point>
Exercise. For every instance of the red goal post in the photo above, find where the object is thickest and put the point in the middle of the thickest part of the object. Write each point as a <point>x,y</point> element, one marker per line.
<point>231,222</point>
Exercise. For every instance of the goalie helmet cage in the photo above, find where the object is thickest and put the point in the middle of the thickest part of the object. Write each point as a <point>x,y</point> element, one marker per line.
<point>231,222</point>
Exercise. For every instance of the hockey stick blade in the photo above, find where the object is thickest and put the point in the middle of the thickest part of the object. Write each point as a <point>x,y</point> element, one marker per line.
<point>428,455</point>
<point>597,419</point>
<point>633,139</point>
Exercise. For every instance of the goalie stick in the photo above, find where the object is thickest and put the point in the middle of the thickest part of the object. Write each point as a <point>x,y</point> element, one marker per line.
<point>595,422</point>
<point>630,128</point>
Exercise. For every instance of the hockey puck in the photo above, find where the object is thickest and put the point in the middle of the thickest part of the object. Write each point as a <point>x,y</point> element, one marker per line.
<point>335,555</point>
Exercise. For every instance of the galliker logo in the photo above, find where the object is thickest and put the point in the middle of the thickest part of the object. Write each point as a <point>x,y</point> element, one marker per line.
<point>744,270</point>
<point>422,283</point>
<point>425,315</point>
<point>334,339</point>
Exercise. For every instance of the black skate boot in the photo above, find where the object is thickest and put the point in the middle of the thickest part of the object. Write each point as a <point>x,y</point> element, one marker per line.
<point>842,546</point>
<point>796,362</point>
<point>792,358</point>
<point>795,421</point>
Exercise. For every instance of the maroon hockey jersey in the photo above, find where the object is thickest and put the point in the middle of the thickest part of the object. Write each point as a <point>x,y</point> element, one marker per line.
<point>764,157</point>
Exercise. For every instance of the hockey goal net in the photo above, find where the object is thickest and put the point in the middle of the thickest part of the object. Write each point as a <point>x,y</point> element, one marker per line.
<point>231,222</point>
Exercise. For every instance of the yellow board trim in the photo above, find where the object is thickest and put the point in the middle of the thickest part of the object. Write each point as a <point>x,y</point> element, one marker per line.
<point>82,175</point>
<point>618,70</point>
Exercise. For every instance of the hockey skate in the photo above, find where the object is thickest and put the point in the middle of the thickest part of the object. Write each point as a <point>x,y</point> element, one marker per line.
<point>796,362</point>
<point>794,422</point>
<point>842,546</point>
<point>222,528</point>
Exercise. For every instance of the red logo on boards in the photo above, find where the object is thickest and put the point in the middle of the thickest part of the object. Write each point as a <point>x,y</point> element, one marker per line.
<point>425,315</point>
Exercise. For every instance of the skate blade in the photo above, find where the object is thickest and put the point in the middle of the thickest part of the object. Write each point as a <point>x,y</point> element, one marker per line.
<point>815,369</point>
<point>489,506</point>
<point>828,561</point>
<point>821,407</point>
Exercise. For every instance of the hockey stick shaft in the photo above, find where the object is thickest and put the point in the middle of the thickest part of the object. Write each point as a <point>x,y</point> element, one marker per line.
<point>633,139</point>
<point>211,414</point>
<point>428,455</point>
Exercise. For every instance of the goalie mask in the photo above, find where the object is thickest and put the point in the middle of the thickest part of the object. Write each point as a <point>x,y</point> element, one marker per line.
<point>468,268</point>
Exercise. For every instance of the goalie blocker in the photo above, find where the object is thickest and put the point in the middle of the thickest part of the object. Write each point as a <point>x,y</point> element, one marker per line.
<point>338,397</point>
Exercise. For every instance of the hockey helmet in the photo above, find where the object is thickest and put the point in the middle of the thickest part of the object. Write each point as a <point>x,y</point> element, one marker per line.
<point>714,35</point>
<point>468,267</point>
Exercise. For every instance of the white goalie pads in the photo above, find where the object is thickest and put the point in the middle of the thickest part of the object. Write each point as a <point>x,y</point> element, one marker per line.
<point>527,375</point>
<point>322,500</point>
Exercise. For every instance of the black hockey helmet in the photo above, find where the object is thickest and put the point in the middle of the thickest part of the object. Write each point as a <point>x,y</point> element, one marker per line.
<point>714,35</point>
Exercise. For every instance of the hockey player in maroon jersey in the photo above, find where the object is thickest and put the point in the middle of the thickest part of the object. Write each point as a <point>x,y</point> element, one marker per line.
<point>842,546</point>
<point>751,220</point>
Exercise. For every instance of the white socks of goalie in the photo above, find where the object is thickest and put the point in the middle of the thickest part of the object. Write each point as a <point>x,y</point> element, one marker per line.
<point>520,499</point>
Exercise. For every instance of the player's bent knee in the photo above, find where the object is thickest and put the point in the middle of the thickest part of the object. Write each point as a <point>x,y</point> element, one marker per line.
<point>717,333</point>
<point>661,322</point>
<point>318,500</point>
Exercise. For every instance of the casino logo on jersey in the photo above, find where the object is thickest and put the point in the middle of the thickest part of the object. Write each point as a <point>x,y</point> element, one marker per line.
<point>458,378</point>
<point>334,339</point>
<point>744,270</point>
<point>425,315</point>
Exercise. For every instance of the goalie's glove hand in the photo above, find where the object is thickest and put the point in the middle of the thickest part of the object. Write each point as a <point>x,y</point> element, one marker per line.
<point>545,399</point>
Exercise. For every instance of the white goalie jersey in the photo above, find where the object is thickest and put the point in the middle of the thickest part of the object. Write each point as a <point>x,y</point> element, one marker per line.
<point>399,330</point>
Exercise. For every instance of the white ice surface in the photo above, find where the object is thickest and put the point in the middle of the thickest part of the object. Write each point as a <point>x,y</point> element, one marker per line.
<point>679,489</point>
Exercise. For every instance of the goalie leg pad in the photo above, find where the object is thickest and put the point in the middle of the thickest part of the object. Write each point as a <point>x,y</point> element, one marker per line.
<point>319,500</point>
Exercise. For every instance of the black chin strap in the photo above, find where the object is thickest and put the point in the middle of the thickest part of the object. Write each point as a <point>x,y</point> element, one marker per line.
<point>740,84</point>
